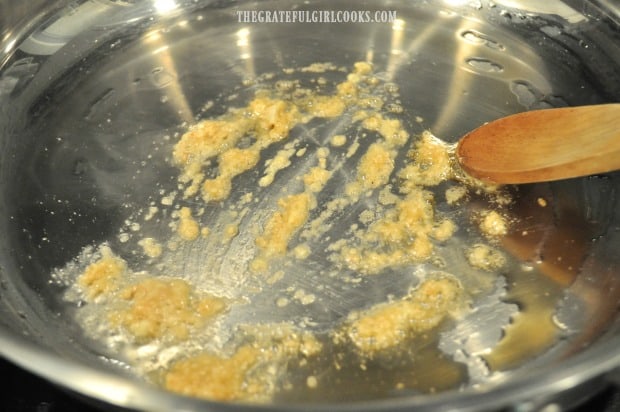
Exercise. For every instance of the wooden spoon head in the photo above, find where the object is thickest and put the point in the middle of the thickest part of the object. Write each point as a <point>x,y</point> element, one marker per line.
<point>544,145</point>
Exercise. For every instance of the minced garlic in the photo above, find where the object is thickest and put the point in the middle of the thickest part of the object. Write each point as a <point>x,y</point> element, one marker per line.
<point>387,325</point>
<point>493,224</point>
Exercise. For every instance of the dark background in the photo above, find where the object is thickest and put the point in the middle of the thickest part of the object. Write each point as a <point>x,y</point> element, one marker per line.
<point>21,391</point>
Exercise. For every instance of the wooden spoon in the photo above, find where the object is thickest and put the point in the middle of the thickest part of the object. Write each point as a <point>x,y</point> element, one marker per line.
<point>544,145</point>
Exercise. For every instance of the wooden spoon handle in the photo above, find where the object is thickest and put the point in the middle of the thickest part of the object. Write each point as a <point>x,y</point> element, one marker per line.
<point>544,145</point>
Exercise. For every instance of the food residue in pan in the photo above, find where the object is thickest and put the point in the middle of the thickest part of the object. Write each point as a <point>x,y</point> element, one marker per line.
<point>386,325</point>
<point>260,195</point>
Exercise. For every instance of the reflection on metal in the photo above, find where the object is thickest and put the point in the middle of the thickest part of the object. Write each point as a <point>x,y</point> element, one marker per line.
<point>245,52</point>
<point>152,36</point>
<point>175,95</point>
<point>398,25</point>
<point>396,52</point>
<point>456,3</point>
<point>479,332</point>
<point>164,6</point>
<point>553,7</point>
<point>398,56</point>
<point>459,81</point>
<point>9,46</point>
<point>370,55</point>
<point>161,49</point>
<point>63,30</point>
